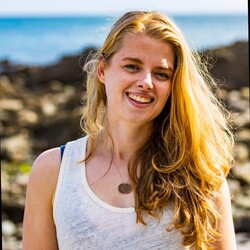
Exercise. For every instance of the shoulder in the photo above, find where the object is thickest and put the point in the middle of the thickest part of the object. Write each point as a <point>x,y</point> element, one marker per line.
<point>223,201</point>
<point>48,160</point>
<point>225,226</point>
<point>45,170</point>
<point>224,194</point>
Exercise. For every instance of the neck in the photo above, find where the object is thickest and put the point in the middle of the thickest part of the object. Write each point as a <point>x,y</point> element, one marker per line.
<point>123,141</point>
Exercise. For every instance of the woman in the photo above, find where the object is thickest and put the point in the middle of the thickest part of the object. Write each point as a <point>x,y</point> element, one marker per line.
<point>150,172</point>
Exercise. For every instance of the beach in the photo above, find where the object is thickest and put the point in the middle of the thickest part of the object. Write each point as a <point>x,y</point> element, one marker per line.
<point>41,107</point>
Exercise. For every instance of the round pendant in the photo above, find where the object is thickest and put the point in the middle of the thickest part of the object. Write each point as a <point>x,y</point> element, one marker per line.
<point>125,188</point>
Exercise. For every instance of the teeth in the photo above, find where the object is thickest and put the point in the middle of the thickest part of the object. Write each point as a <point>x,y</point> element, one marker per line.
<point>139,98</point>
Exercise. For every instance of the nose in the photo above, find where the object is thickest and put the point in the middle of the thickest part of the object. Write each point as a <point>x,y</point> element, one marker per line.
<point>145,81</point>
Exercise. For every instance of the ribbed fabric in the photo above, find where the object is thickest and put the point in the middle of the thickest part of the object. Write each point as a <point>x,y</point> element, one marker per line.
<point>84,221</point>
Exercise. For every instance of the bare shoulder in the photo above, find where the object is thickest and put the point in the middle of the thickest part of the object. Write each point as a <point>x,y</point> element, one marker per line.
<point>45,169</point>
<point>224,190</point>
<point>226,227</point>
<point>53,153</point>
<point>224,198</point>
<point>49,158</point>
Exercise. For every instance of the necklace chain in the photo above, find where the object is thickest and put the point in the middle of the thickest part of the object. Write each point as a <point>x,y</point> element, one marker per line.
<point>124,187</point>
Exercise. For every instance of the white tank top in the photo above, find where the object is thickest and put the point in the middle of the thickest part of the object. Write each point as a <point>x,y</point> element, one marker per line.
<point>84,221</point>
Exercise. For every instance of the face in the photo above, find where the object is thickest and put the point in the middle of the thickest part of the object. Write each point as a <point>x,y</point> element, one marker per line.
<point>138,79</point>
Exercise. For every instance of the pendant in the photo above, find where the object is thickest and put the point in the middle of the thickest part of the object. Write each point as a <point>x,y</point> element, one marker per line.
<point>125,188</point>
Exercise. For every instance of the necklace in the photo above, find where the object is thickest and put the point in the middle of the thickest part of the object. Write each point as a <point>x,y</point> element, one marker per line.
<point>125,188</point>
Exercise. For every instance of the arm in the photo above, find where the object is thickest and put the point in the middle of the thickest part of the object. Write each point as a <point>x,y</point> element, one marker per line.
<point>39,231</point>
<point>226,227</point>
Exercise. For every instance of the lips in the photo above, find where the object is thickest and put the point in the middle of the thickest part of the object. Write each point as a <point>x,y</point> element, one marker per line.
<point>140,99</point>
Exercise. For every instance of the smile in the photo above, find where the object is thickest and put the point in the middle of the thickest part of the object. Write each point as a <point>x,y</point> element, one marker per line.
<point>139,99</point>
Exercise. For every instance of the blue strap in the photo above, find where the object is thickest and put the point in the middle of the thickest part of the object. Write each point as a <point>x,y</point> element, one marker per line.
<point>62,147</point>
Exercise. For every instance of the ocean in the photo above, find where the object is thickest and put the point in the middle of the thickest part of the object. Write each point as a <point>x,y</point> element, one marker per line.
<point>45,40</point>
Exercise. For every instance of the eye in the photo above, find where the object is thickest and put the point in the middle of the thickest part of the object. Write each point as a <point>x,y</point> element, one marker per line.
<point>161,75</point>
<point>132,67</point>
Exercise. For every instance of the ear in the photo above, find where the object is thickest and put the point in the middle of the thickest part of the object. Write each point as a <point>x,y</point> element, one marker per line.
<point>100,72</point>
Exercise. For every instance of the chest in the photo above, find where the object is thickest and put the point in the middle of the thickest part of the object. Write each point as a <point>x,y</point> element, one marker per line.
<point>104,180</point>
<point>87,224</point>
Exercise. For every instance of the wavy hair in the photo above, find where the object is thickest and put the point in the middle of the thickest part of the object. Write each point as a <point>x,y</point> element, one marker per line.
<point>189,152</point>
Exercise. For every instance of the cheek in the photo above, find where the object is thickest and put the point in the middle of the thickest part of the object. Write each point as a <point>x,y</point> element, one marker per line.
<point>164,93</point>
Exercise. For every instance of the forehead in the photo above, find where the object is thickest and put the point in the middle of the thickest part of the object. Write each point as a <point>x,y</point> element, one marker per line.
<point>144,47</point>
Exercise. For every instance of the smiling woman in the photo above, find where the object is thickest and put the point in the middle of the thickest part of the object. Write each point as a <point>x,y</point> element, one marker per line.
<point>150,172</point>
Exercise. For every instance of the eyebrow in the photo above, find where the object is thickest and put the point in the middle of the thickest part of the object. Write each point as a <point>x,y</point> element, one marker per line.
<point>133,59</point>
<point>137,60</point>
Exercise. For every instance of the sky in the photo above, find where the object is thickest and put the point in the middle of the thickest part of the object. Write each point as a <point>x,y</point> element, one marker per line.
<point>92,7</point>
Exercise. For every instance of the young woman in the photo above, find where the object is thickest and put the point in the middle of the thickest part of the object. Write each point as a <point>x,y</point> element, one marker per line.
<point>150,172</point>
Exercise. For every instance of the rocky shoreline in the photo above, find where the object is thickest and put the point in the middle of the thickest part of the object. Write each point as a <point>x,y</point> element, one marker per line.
<point>41,108</point>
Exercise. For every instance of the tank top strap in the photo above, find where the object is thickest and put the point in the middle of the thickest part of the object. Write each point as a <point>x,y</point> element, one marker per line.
<point>62,148</point>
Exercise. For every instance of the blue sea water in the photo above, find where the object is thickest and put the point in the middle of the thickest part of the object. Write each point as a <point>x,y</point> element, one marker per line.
<point>44,40</point>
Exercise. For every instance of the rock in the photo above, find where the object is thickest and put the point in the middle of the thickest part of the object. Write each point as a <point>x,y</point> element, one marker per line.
<point>242,201</point>
<point>234,186</point>
<point>27,118</point>
<point>242,171</point>
<point>245,93</point>
<point>12,243</point>
<point>8,228</point>
<point>68,70</point>
<point>243,135</point>
<point>238,105</point>
<point>241,120</point>
<point>247,192</point>
<point>243,241</point>
<point>236,101</point>
<point>222,94</point>
<point>238,214</point>
<point>22,180</point>
<point>69,91</point>
<point>17,147</point>
<point>11,105</point>
<point>241,152</point>
<point>48,108</point>
<point>13,193</point>
<point>230,65</point>
<point>6,68</point>
<point>19,231</point>
<point>6,88</point>
<point>56,86</point>
<point>242,224</point>
<point>233,96</point>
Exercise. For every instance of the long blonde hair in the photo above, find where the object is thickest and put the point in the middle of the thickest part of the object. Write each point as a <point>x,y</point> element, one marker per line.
<point>189,152</point>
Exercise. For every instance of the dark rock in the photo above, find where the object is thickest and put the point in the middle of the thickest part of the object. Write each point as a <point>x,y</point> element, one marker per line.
<point>242,224</point>
<point>68,70</point>
<point>230,65</point>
